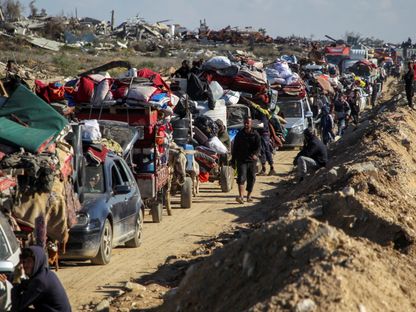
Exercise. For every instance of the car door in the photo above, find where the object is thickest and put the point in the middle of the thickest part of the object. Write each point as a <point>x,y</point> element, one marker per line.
<point>117,202</point>
<point>131,199</point>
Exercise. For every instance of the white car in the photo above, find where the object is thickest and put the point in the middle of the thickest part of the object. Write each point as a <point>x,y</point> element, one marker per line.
<point>9,258</point>
<point>298,114</point>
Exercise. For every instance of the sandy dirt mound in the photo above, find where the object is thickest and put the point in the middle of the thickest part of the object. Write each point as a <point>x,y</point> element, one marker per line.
<point>367,189</point>
<point>299,265</point>
<point>343,240</point>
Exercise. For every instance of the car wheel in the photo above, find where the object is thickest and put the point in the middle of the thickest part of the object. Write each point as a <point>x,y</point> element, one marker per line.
<point>106,245</point>
<point>136,241</point>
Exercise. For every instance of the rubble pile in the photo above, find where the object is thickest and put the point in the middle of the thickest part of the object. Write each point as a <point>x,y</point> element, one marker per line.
<point>233,35</point>
<point>53,33</point>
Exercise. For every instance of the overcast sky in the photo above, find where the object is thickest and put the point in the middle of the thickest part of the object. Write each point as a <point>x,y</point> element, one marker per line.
<point>391,20</point>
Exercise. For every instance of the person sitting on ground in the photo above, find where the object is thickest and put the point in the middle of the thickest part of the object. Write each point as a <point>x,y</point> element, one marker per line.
<point>246,149</point>
<point>313,155</point>
<point>183,71</point>
<point>42,290</point>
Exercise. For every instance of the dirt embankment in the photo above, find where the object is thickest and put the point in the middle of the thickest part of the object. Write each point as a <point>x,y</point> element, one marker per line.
<point>342,240</point>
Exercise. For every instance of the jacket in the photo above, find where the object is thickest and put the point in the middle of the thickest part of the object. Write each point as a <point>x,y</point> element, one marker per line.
<point>246,145</point>
<point>315,149</point>
<point>409,78</point>
<point>43,290</point>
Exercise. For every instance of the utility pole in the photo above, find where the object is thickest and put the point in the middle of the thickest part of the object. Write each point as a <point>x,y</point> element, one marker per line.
<point>1,15</point>
<point>76,13</point>
<point>112,20</point>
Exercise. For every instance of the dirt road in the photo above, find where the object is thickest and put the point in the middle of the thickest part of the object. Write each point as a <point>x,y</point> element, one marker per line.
<point>212,213</point>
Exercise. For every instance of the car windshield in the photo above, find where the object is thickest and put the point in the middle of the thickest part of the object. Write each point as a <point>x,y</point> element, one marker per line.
<point>118,132</point>
<point>291,109</point>
<point>94,179</point>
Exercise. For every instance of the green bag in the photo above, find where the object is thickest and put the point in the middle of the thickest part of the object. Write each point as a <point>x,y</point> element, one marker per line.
<point>29,122</point>
<point>31,139</point>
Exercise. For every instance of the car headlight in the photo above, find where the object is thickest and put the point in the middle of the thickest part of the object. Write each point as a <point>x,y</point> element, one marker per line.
<point>82,219</point>
<point>297,129</point>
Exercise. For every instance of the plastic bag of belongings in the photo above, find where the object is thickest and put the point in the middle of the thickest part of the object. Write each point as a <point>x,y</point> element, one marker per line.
<point>284,80</point>
<point>236,76</point>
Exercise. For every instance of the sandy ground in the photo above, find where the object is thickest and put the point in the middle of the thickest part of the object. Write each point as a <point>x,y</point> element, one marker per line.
<point>212,213</point>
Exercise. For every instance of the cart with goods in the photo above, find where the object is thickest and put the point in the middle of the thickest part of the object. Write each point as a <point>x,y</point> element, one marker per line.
<point>149,153</point>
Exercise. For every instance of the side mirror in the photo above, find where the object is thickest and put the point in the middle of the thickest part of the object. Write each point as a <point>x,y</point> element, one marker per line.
<point>308,114</point>
<point>6,267</point>
<point>122,189</point>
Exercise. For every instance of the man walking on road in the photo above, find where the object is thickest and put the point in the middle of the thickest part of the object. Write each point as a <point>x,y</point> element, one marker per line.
<point>355,105</point>
<point>409,80</point>
<point>245,153</point>
<point>313,155</point>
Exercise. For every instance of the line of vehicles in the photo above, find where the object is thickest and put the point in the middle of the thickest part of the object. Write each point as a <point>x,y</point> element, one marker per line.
<point>115,193</point>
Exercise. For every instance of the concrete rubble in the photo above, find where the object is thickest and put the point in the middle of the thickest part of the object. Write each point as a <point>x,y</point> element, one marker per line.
<point>52,33</point>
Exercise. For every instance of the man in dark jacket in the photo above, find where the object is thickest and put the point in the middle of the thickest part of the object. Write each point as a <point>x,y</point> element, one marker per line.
<point>313,155</point>
<point>246,148</point>
<point>42,290</point>
<point>409,80</point>
<point>183,71</point>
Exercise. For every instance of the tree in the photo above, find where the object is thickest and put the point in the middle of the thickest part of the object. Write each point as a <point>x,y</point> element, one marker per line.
<point>11,9</point>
